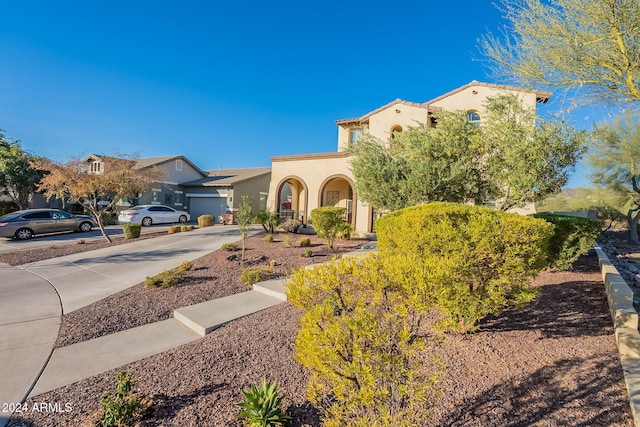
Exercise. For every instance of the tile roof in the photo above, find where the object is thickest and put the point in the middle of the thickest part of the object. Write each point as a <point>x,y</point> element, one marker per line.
<point>363,119</point>
<point>541,96</point>
<point>228,177</point>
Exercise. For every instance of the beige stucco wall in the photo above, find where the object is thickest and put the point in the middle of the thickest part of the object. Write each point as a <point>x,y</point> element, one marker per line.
<point>313,171</point>
<point>381,123</point>
<point>473,98</point>
<point>252,188</point>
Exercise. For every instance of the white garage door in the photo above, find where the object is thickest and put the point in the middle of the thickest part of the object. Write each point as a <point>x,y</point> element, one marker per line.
<point>215,206</point>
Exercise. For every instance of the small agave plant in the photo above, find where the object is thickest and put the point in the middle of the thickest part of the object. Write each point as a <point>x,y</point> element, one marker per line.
<point>262,407</point>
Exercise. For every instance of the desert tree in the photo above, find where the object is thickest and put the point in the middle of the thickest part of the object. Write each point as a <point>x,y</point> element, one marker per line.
<point>244,216</point>
<point>18,177</point>
<point>615,160</point>
<point>589,45</point>
<point>512,159</point>
<point>120,178</point>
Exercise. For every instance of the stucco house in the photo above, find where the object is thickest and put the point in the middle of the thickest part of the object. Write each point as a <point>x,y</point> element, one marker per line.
<point>185,186</point>
<point>301,183</point>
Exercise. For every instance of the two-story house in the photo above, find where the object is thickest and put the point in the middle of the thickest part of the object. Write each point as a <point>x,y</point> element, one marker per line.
<point>300,183</point>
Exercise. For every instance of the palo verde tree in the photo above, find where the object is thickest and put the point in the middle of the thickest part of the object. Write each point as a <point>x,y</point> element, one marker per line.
<point>589,45</point>
<point>120,178</point>
<point>615,159</point>
<point>18,178</point>
<point>511,160</point>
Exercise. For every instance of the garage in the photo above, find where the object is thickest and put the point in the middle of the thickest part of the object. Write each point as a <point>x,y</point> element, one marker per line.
<point>207,205</point>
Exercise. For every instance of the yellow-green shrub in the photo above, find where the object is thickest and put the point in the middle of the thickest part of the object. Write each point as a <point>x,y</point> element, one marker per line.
<point>206,221</point>
<point>304,242</point>
<point>169,278</point>
<point>359,338</point>
<point>253,275</point>
<point>131,231</point>
<point>268,238</point>
<point>327,221</point>
<point>492,255</point>
<point>174,229</point>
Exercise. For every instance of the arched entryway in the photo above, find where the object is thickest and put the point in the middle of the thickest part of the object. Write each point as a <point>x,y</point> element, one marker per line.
<point>292,198</point>
<point>339,190</point>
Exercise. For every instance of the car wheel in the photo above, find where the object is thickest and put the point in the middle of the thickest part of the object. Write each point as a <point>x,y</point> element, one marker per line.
<point>24,234</point>
<point>85,227</point>
<point>146,221</point>
<point>182,219</point>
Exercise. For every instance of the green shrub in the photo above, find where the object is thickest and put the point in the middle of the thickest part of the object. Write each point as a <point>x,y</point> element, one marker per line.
<point>253,275</point>
<point>206,221</point>
<point>121,407</point>
<point>174,229</point>
<point>229,247</point>
<point>327,220</point>
<point>268,238</point>
<point>273,263</point>
<point>361,339</point>
<point>262,407</point>
<point>8,207</point>
<point>268,220</point>
<point>131,231</point>
<point>286,242</point>
<point>304,242</point>
<point>169,278</point>
<point>308,253</point>
<point>108,218</point>
<point>572,237</point>
<point>490,256</point>
<point>344,231</point>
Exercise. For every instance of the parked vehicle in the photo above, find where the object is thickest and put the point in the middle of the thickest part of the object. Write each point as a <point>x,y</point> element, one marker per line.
<point>152,214</point>
<point>27,223</point>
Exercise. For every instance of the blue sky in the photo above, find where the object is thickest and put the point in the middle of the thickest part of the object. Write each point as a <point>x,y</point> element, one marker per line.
<point>226,83</point>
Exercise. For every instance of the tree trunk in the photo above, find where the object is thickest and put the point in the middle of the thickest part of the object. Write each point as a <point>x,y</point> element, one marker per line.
<point>632,217</point>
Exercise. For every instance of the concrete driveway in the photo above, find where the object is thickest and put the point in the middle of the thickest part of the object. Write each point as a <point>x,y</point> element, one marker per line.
<point>34,296</point>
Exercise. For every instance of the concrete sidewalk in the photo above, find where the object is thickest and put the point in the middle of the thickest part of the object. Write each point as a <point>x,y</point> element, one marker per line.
<point>34,296</point>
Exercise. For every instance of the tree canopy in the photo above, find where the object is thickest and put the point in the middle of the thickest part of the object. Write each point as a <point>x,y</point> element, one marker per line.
<point>119,178</point>
<point>591,45</point>
<point>615,160</point>
<point>509,161</point>
<point>18,178</point>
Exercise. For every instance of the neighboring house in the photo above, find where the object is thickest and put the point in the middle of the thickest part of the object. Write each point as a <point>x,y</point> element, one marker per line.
<point>301,183</point>
<point>186,187</point>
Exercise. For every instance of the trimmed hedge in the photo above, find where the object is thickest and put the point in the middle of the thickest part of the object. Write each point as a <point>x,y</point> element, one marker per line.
<point>572,237</point>
<point>206,221</point>
<point>131,231</point>
<point>490,256</point>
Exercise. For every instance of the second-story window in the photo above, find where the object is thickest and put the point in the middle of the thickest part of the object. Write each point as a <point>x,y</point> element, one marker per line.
<point>355,135</point>
<point>178,165</point>
<point>394,130</point>
<point>473,118</point>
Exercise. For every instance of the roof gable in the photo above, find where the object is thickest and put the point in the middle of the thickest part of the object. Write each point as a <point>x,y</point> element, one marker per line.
<point>541,96</point>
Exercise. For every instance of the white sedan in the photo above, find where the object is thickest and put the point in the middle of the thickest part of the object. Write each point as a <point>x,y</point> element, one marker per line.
<point>152,214</point>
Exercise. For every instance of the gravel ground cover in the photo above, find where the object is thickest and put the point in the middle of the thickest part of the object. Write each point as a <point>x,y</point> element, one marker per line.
<point>551,363</point>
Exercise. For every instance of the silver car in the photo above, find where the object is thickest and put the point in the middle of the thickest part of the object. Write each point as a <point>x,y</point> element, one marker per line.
<point>25,224</point>
<point>152,214</point>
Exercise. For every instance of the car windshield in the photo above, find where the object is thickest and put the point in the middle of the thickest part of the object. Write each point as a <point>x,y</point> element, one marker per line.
<point>8,216</point>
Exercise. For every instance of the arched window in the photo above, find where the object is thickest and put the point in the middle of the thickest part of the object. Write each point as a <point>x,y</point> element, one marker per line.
<point>473,118</point>
<point>395,129</point>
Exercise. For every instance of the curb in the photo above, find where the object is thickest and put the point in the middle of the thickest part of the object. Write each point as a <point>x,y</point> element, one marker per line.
<point>625,324</point>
